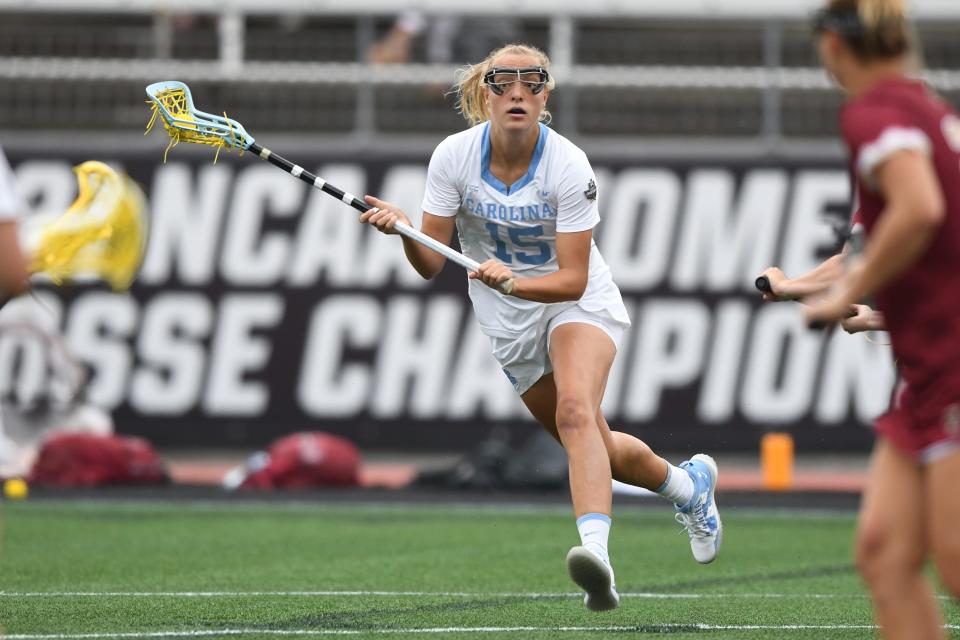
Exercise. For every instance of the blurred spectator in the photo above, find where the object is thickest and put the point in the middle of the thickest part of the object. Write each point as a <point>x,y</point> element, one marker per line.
<point>448,38</point>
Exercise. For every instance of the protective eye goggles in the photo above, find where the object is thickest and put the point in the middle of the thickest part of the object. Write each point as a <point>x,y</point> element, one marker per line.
<point>499,79</point>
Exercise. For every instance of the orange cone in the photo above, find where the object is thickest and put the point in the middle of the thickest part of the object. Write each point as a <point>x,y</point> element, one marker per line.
<point>776,461</point>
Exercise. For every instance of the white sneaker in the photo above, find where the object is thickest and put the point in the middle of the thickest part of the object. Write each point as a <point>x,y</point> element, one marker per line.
<point>595,576</point>
<point>700,516</point>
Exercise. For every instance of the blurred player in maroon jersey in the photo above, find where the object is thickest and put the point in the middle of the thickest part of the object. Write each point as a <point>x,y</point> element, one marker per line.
<point>904,144</point>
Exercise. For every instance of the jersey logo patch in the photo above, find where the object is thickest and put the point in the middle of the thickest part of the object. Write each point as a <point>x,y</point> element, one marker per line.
<point>591,191</point>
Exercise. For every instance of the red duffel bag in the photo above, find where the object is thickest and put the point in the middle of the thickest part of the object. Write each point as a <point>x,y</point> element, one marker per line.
<point>88,460</point>
<point>306,459</point>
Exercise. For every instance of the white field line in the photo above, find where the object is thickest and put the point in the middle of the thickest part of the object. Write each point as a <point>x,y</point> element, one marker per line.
<point>418,594</point>
<point>443,630</point>
<point>424,630</point>
<point>464,508</point>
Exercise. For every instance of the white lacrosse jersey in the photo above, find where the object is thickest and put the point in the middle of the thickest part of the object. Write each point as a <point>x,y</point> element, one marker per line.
<point>518,224</point>
<point>10,206</point>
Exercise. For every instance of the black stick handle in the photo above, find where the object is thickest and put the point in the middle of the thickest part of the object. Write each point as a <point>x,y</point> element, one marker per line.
<point>299,172</point>
<point>348,198</point>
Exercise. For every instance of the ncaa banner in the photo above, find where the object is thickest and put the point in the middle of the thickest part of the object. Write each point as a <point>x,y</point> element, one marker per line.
<point>264,308</point>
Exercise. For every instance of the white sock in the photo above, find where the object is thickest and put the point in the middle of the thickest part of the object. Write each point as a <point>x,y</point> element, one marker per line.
<point>678,487</point>
<point>594,531</point>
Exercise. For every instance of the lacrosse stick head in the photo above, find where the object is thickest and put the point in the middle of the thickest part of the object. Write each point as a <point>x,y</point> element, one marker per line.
<point>103,233</point>
<point>172,103</point>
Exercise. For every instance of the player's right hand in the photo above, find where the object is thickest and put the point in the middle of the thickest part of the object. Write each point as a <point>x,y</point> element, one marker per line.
<point>495,275</point>
<point>384,215</point>
<point>778,281</point>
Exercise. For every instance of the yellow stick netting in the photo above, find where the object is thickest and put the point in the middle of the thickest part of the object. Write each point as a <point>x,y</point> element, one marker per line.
<point>187,128</point>
<point>103,233</point>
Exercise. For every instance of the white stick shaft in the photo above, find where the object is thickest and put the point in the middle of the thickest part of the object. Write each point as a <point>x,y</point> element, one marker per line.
<point>348,198</point>
<point>439,247</point>
<point>446,251</point>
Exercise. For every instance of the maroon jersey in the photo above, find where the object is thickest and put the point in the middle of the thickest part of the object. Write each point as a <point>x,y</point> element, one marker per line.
<point>921,306</point>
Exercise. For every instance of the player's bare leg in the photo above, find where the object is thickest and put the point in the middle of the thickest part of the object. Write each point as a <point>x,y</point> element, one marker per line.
<point>582,355</point>
<point>635,463</point>
<point>943,517</point>
<point>891,547</point>
<point>631,460</point>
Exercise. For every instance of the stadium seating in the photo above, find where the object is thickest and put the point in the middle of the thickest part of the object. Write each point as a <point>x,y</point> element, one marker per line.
<point>734,77</point>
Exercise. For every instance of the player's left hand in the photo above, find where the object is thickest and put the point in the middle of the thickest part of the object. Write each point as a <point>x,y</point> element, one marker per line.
<point>494,275</point>
<point>864,319</point>
<point>384,215</point>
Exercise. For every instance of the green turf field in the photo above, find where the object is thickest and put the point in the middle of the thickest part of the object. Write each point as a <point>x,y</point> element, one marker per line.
<point>142,570</point>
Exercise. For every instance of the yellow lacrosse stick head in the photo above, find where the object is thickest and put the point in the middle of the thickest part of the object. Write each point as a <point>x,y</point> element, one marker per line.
<point>104,231</point>
<point>175,102</point>
<point>171,102</point>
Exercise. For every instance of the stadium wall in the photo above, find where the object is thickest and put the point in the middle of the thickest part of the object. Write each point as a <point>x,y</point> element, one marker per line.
<point>263,308</point>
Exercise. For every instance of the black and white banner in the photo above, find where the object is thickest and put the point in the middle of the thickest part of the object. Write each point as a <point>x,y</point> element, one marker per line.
<point>263,307</point>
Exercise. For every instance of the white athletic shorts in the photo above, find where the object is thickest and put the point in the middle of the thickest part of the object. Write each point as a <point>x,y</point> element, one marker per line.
<point>526,357</point>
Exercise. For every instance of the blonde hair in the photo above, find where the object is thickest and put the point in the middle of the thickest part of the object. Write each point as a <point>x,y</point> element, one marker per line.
<point>471,103</point>
<point>886,28</point>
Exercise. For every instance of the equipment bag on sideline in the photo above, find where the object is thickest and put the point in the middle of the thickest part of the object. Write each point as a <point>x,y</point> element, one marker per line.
<point>87,460</point>
<point>301,460</point>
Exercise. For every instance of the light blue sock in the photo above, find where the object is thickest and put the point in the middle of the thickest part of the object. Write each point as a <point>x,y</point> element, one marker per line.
<point>594,531</point>
<point>678,487</point>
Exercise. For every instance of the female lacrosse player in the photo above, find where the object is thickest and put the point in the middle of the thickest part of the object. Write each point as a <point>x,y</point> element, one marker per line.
<point>904,144</point>
<point>13,263</point>
<point>524,202</point>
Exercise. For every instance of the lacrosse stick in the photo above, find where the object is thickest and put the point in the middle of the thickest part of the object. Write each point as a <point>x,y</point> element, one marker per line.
<point>104,232</point>
<point>172,103</point>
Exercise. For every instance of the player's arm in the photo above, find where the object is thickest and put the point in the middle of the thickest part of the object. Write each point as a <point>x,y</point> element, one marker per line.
<point>428,263</point>
<point>577,215</point>
<point>915,208</point>
<point>813,282</point>
<point>568,282</point>
<point>14,265</point>
<point>14,273</point>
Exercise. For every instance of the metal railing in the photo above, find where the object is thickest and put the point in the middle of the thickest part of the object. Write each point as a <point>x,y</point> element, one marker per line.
<point>729,69</point>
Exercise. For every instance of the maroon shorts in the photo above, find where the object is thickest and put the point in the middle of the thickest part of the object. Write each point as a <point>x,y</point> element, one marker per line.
<point>925,439</point>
